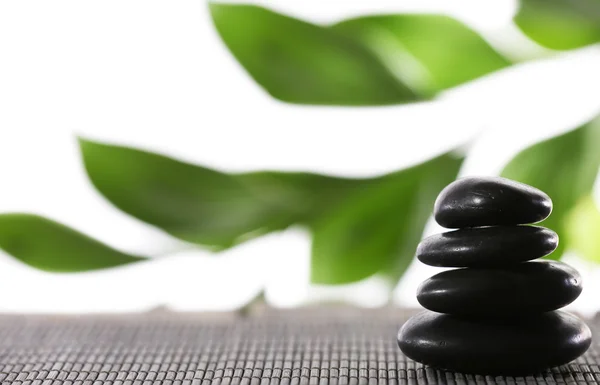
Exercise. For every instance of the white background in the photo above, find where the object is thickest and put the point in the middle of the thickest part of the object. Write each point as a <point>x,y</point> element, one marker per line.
<point>154,74</point>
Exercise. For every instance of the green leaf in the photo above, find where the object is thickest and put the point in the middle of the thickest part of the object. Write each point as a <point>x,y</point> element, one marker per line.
<point>429,52</point>
<point>300,62</point>
<point>377,228</point>
<point>582,229</point>
<point>47,245</point>
<point>565,167</point>
<point>217,209</point>
<point>560,24</point>
<point>205,206</point>
<point>190,202</point>
<point>298,197</point>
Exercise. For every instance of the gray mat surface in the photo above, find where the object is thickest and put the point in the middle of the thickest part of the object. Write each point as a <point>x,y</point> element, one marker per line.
<point>268,347</point>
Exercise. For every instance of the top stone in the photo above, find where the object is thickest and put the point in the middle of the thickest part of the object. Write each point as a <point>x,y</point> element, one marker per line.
<point>490,201</point>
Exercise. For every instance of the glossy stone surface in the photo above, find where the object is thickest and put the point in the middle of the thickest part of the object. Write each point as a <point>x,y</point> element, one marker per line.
<point>513,347</point>
<point>524,288</point>
<point>487,246</point>
<point>490,201</point>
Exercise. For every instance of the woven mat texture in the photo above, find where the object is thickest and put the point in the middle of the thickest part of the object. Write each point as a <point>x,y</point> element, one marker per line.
<point>267,347</point>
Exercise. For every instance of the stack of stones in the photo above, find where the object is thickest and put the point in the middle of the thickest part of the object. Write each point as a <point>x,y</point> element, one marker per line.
<point>497,314</point>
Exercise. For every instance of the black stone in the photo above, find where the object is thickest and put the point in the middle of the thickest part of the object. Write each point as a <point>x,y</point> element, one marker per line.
<point>490,201</point>
<point>507,346</point>
<point>487,246</point>
<point>525,288</point>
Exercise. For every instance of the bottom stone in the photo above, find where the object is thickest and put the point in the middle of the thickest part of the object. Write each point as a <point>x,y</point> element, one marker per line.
<point>507,346</point>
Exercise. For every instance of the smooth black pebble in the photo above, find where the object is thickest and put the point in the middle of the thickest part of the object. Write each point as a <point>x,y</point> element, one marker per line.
<point>491,201</point>
<point>525,288</point>
<point>519,346</point>
<point>487,246</point>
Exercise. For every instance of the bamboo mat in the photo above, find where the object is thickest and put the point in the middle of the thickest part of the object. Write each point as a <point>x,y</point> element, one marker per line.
<point>318,346</point>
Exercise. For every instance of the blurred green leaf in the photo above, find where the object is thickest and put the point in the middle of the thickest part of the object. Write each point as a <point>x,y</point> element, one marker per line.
<point>582,229</point>
<point>429,52</point>
<point>360,226</point>
<point>378,227</point>
<point>47,245</point>
<point>205,206</point>
<point>299,62</point>
<point>565,167</point>
<point>560,24</point>
<point>190,202</point>
<point>298,197</point>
